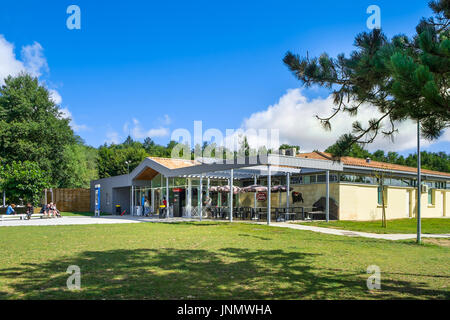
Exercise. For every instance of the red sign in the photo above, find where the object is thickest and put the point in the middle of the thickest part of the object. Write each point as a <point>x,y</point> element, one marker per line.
<point>261,196</point>
<point>177,190</point>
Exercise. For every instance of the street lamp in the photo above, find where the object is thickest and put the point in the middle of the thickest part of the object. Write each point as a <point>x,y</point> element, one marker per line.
<point>128,166</point>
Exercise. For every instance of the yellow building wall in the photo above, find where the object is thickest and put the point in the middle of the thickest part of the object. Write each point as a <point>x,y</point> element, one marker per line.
<point>439,208</point>
<point>360,202</point>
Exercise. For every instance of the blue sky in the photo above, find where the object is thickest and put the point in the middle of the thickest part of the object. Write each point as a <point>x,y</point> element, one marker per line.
<point>148,67</point>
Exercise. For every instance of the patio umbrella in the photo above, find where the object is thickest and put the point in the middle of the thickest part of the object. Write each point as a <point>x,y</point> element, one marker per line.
<point>213,189</point>
<point>255,188</point>
<point>280,188</point>
<point>226,189</point>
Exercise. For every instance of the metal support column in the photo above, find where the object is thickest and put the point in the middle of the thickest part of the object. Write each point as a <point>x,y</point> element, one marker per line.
<point>167,198</point>
<point>132,201</point>
<point>288,186</point>
<point>254,195</point>
<point>200,194</point>
<point>189,198</point>
<point>153,201</point>
<point>327,199</point>
<point>269,193</point>
<point>231,194</point>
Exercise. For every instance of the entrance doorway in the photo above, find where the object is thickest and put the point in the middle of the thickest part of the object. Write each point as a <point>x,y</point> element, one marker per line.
<point>179,199</point>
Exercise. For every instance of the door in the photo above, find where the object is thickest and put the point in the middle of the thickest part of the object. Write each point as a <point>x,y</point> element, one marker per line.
<point>178,201</point>
<point>443,203</point>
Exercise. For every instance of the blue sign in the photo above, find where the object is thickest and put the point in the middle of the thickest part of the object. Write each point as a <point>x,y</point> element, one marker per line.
<point>97,200</point>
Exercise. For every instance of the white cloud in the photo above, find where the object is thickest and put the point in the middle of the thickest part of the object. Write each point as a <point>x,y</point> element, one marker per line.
<point>34,59</point>
<point>66,114</point>
<point>33,62</point>
<point>295,118</point>
<point>9,65</point>
<point>137,132</point>
<point>55,96</point>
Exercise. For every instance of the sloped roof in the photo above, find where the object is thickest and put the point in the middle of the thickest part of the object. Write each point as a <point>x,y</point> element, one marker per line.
<point>358,162</point>
<point>174,163</point>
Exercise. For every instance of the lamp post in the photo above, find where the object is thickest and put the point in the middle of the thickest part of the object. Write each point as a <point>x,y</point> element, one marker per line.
<point>128,166</point>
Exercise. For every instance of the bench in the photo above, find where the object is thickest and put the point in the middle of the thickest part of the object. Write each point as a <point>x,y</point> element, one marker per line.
<point>319,215</point>
<point>20,216</point>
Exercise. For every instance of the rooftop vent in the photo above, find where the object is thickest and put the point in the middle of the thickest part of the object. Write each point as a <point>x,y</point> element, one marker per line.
<point>368,160</point>
<point>291,152</point>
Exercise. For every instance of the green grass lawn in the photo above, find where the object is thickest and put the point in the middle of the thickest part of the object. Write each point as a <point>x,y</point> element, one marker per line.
<point>433,225</point>
<point>213,261</point>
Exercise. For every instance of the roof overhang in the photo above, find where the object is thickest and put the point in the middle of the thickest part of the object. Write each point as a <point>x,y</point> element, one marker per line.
<point>278,163</point>
<point>357,169</point>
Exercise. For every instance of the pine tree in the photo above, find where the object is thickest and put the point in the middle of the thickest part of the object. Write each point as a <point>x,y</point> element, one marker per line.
<point>403,78</point>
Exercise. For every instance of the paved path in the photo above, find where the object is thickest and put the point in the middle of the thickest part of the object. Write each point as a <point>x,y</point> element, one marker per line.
<point>83,221</point>
<point>348,233</point>
<point>117,220</point>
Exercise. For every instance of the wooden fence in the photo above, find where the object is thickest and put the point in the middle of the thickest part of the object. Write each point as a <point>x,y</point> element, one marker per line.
<point>69,200</point>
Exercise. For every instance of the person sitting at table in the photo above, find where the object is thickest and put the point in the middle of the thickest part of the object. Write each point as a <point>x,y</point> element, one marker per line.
<point>29,211</point>
<point>146,207</point>
<point>163,208</point>
<point>10,209</point>
<point>208,203</point>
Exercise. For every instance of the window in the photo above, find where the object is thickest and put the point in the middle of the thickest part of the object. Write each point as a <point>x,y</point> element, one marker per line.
<point>380,196</point>
<point>357,179</point>
<point>321,178</point>
<point>430,196</point>
<point>297,180</point>
<point>347,178</point>
<point>156,181</point>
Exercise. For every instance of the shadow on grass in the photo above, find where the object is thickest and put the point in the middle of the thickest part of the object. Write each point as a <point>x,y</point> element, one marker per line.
<point>229,273</point>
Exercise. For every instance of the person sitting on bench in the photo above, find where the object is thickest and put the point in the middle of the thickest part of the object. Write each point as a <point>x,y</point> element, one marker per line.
<point>30,210</point>
<point>44,210</point>
<point>53,211</point>
<point>10,209</point>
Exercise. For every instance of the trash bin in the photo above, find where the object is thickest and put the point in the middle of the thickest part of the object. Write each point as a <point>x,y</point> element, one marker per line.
<point>118,209</point>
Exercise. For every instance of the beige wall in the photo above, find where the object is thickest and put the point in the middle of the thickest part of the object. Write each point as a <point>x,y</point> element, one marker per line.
<point>439,208</point>
<point>360,202</point>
